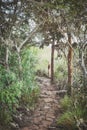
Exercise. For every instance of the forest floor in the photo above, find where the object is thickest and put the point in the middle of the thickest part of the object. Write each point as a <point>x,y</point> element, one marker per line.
<point>47,110</point>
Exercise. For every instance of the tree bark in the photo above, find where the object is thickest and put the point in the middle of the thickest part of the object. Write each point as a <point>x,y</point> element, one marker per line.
<point>19,61</point>
<point>70,66</point>
<point>52,62</point>
<point>7,56</point>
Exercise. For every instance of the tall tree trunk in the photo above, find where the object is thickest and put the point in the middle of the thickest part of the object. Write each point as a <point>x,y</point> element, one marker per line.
<point>52,62</point>
<point>70,66</point>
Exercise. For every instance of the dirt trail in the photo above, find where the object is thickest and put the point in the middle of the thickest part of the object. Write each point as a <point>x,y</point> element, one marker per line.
<point>47,109</point>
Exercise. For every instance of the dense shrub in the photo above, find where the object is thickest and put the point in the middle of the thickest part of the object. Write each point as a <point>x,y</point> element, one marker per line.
<point>15,91</point>
<point>10,92</point>
<point>30,90</point>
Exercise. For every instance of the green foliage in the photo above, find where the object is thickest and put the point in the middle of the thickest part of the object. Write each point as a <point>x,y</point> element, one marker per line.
<point>66,102</point>
<point>61,69</point>
<point>30,90</point>
<point>10,88</point>
<point>73,112</point>
<point>13,62</point>
<point>30,97</point>
<point>5,116</point>
<point>67,120</point>
<point>80,102</point>
<point>15,91</point>
<point>28,63</point>
<point>10,92</point>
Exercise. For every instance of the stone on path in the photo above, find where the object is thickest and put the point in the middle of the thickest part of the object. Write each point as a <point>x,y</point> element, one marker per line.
<point>45,113</point>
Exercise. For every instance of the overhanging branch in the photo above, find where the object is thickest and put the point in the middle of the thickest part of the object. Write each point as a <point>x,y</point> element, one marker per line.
<point>29,37</point>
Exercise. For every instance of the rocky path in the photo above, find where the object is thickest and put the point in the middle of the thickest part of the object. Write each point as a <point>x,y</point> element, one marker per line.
<point>47,108</point>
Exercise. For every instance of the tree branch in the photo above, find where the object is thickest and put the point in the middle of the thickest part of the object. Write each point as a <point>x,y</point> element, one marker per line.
<point>29,37</point>
<point>83,65</point>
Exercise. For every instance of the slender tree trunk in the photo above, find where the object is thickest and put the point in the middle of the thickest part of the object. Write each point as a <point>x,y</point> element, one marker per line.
<point>70,66</point>
<point>19,62</point>
<point>83,67</point>
<point>20,66</point>
<point>7,56</point>
<point>52,62</point>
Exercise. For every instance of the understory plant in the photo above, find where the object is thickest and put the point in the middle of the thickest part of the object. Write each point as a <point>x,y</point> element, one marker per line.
<point>30,90</point>
<point>61,73</point>
<point>16,91</point>
<point>74,112</point>
<point>10,92</point>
